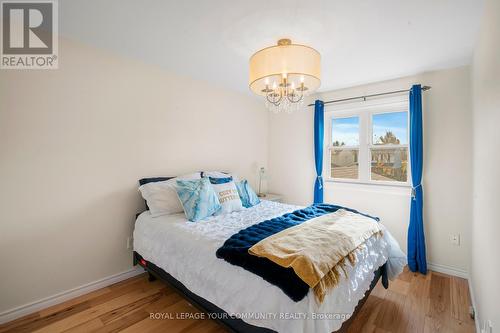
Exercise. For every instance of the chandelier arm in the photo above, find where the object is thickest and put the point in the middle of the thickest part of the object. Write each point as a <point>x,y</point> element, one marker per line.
<point>301,97</point>
<point>291,97</point>
<point>271,98</point>
<point>278,102</point>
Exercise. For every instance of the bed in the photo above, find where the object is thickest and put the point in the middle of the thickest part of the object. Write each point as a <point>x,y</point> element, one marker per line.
<point>183,254</point>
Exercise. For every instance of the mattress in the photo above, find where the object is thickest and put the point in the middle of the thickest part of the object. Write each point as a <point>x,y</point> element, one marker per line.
<point>186,250</point>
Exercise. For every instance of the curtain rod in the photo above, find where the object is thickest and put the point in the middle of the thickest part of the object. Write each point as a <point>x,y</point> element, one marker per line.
<point>424,88</point>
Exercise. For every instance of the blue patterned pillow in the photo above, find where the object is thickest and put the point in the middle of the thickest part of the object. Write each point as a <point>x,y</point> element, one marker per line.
<point>198,198</point>
<point>220,180</point>
<point>247,194</point>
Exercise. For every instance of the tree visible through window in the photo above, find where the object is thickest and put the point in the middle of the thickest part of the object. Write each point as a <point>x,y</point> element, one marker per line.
<point>389,149</point>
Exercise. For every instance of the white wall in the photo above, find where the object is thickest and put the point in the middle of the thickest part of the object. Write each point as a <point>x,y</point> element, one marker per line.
<point>485,262</point>
<point>447,163</point>
<point>74,142</point>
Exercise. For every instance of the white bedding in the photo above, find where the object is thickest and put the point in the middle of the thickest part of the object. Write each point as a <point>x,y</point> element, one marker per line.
<point>186,250</point>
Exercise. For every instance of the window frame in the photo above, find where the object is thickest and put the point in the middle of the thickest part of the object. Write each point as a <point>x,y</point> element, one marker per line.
<point>365,111</point>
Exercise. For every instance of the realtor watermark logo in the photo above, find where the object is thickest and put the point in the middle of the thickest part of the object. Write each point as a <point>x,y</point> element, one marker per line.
<point>29,34</point>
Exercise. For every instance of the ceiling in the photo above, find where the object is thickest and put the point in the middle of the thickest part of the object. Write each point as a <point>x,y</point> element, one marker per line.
<point>360,41</point>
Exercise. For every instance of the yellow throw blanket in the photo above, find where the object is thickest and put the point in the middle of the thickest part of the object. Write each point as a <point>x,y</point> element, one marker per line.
<point>317,249</point>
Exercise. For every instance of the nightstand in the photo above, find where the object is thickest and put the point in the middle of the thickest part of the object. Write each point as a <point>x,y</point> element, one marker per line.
<point>272,197</point>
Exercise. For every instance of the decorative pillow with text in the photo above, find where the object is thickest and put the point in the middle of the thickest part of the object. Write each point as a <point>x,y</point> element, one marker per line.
<point>228,197</point>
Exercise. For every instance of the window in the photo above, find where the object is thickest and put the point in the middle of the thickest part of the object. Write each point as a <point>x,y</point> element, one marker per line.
<point>389,147</point>
<point>369,144</point>
<point>345,147</point>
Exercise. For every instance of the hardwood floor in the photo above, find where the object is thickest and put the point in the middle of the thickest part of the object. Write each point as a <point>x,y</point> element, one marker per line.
<point>413,303</point>
<point>416,303</point>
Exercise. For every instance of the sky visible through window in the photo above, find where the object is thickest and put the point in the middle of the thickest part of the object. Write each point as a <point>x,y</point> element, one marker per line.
<point>394,122</point>
<point>345,131</point>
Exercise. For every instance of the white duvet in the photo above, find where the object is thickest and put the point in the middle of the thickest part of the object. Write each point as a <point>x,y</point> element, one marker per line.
<point>186,250</point>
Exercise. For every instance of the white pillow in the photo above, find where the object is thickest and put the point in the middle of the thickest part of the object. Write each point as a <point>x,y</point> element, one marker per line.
<point>162,198</point>
<point>219,174</point>
<point>228,197</point>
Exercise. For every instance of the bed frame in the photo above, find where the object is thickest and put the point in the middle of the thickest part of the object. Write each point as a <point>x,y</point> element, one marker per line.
<point>234,324</point>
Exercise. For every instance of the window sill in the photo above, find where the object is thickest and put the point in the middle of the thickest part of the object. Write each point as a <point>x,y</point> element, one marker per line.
<point>372,183</point>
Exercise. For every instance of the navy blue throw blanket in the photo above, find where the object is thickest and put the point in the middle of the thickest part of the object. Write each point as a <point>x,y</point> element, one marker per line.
<point>235,249</point>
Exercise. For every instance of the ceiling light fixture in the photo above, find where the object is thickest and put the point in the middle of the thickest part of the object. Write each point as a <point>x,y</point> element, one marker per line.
<point>284,74</point>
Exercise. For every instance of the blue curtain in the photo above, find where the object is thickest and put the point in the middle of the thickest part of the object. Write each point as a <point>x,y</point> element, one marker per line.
<point>319,117</point>
<point>416,240</point>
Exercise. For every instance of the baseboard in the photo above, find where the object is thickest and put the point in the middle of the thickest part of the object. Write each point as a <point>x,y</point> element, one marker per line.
<point>27,309</point>
<point>477,318</point>
<point>445,269</point>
